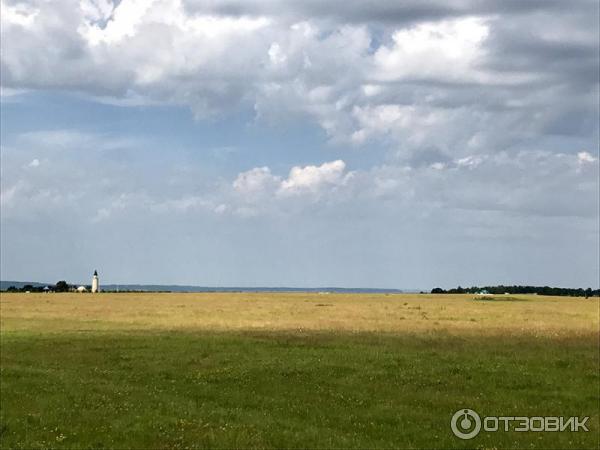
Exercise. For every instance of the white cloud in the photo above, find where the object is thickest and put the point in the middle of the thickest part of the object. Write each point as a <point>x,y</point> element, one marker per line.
<point>276,55</point>
<point>20,14</point>
<point>97,10</point>
<point>421,79</point>
<point>471,161</point>
<point>314,178</point>
<point>585,157</point>
<point>446,50</point>
<point>413,125</point>
<point>311,179</point>
<point>541,183</point>
<point>255,181</point>
<point>126,19</point>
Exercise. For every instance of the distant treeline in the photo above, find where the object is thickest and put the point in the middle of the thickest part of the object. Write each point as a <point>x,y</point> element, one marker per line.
<point>60,286</point>
<point>32,286</point>
<point>540,290</point>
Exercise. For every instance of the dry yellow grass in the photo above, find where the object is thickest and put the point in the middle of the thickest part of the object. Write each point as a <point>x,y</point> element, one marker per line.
<point>299,311</point>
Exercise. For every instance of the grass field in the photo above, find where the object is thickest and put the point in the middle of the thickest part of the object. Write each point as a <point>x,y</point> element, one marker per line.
<point>291,370</point>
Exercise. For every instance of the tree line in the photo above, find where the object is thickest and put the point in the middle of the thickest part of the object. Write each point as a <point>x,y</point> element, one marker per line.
<point>540,290</point>
<point>60,286</point>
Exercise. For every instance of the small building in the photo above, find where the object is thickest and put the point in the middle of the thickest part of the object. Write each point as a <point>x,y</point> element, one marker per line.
<point>484,294</point>
<point>81,289</point>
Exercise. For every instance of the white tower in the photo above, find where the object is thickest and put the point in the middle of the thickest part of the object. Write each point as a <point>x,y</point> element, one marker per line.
<point>95,283</point>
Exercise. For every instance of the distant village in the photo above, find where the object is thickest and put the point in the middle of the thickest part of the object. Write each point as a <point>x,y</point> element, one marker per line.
<point>60,286</point>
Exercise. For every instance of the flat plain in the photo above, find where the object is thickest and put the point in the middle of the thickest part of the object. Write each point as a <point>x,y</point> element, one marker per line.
<point>266,370</point>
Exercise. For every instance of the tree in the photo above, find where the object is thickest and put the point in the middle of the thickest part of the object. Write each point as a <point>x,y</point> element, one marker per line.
<point>61,286</point>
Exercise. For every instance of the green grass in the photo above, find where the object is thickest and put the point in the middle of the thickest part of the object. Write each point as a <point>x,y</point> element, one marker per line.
<point>200,389</point>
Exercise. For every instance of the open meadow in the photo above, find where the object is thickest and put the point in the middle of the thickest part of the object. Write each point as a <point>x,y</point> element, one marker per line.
<point>210,370</point>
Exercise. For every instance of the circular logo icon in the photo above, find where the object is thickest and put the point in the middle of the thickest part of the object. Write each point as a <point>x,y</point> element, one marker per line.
<point>465,424</point>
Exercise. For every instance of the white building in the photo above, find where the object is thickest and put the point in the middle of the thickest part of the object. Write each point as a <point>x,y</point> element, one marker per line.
<point>95,282</point>
<point>81,289</point>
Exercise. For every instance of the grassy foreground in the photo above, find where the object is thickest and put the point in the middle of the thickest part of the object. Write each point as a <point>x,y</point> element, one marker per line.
<point>291,370</point>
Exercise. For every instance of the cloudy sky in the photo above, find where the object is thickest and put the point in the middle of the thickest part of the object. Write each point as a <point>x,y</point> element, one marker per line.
<point>345,143</point>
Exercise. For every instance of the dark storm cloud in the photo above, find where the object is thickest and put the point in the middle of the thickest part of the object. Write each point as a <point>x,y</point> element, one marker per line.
<point>386,12</point>
<point>561,46</point>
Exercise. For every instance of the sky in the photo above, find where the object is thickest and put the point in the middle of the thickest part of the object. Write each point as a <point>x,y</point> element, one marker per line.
<point>405,145</point>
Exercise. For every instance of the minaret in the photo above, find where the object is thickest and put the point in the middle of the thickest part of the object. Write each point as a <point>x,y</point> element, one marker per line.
<point>95,282</point>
